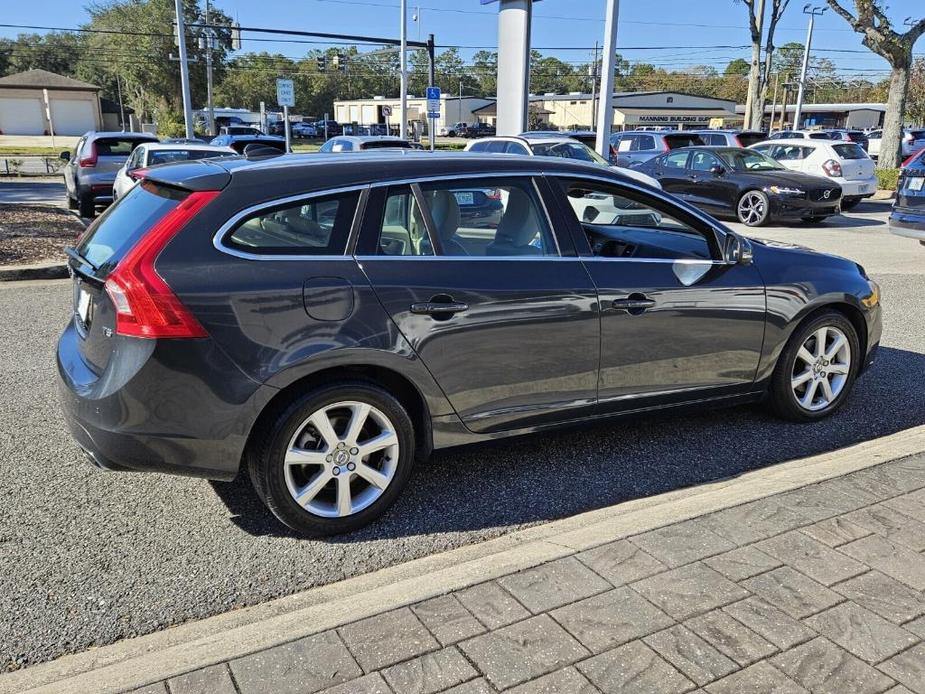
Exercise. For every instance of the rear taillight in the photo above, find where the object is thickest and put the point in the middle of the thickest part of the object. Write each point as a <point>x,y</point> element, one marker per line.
<point>493,194</point>
<point>832,168</point>
<point>738,141</point>
<point>90,159</point>
<point>145,305</point>
<point>137,174</point>
<point>613,151</point>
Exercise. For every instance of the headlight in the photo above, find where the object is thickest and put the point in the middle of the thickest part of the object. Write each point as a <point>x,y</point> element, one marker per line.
<point>781,190</point>
<point>874,298</point>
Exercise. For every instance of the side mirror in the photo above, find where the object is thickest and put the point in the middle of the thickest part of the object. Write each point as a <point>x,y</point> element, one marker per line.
<point>64,156</point>
<point>738,251</point>
<point>717,170</point>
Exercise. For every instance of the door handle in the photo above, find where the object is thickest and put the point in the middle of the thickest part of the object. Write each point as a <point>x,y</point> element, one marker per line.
<point>439,307</point>
<point>634,304</point>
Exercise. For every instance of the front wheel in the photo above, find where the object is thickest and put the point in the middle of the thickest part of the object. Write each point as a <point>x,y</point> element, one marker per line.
<point>335,459</point>
<point>753,208</point>
<point>817,369</point>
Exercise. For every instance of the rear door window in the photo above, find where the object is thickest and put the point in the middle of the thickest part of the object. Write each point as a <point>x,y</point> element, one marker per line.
<point>675,141</point>
<point>402,230</point>
<point>643,143</point>
<point>114,233</point>
<point>676,160</point>
<point>851,151</point>
<point>317,226</point>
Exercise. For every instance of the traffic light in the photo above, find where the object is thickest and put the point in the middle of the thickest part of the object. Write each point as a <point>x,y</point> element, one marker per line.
<point>322,62</point>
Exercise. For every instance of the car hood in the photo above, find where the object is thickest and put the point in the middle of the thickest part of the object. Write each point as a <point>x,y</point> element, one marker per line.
<point>783,254</point>
<point>787,178</point>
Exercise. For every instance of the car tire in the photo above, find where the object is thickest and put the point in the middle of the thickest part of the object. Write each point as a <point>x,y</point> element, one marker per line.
<point>850,203</point>
<point>753,209</point>
<point>333,466</point>
<point>71,203</point>
<point>85,206</point>
<point>797,391</point>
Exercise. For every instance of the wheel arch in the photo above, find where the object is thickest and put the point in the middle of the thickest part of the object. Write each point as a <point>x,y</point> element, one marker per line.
<point>852,313</point>
<point>397,384</point>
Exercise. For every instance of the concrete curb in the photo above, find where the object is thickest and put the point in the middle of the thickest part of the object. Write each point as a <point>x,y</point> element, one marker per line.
<point>41,271</point>
<point>141,661</point>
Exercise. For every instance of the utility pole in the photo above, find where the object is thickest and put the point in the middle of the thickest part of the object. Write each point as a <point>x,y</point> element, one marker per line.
<point>432,59</point>
<point>209,45</point>
<point>608,68</point>
<point>403,89</point>
<point>813,12</point>
<point>773,102</point>
<point>184,71</point>
<point>121,104</point>
<point>594,89</point>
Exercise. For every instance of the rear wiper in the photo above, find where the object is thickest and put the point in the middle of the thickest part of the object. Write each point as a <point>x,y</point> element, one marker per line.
<point>73,253</point>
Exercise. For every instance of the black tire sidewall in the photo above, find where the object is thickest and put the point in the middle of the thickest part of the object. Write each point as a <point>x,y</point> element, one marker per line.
<point>267,469</point>
<point>783,399</point>
<point>85,206</point>
<point>767,209</point>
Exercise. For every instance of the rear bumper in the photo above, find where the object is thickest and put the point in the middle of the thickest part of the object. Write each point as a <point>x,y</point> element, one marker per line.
<point>173,406</point>
<point>909,224</point>
<point>858,189</point>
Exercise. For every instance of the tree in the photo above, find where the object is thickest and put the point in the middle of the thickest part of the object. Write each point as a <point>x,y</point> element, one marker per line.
<point>758,78</point>
<point>56,52</point>
<point>879,36</point>
<point>739,66</point>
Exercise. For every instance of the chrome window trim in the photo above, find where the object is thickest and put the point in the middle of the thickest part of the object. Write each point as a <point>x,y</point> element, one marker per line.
<point>304,198</point>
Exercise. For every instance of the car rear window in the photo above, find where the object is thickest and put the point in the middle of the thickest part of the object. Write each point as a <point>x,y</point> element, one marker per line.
<point>748,139</point>
<point>380,144</point>
<point>675,141</point>
<point>116,146</point>
<point>849,151</point>
<point>819,136</point>
<point>168,156</point>
<point>114,233</point>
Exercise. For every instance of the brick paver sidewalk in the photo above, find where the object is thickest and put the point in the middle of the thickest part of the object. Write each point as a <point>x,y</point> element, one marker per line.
<point>818,589</point>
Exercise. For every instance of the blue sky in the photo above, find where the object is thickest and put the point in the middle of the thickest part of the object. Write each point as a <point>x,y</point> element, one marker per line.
<point>557,23</point>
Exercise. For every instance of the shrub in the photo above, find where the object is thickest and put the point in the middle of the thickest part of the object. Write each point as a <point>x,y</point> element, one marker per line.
<point>887,179</point>
<point>170,124</point>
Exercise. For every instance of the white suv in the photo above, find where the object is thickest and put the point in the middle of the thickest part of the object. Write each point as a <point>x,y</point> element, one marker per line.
<point>844,162</point>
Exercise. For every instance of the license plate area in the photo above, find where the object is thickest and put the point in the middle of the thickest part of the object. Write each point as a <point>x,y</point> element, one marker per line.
<point>915,183</point>
<point>83,307</point>
<point>464,198</point>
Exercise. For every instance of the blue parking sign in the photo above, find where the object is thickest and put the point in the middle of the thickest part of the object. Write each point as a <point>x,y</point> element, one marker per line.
<point>433,93</point>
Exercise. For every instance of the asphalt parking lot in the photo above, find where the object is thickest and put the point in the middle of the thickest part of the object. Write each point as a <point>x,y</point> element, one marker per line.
<point>91,557</point>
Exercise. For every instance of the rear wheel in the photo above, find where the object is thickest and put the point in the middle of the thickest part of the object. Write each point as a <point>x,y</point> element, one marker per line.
<point>71,203</point>
<point>850,203</point>
<point>335,459</point>
<point>86,206</point>
<point>753,208</point>
<point>817,369</point>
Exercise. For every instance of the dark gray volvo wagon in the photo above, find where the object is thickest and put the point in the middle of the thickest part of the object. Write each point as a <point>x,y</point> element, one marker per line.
<point>324,321</point>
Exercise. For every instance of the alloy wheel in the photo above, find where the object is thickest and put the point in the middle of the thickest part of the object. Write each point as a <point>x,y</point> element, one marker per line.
<point>821,368</point>
<point>752,208</point>
<point>341,459</point>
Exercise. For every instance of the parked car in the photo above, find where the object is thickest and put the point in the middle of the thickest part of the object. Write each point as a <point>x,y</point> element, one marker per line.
<point>341,323</point>
<point>799,135</point>
<point>873,143</point>
<point>303,130</point>
<point>585,137</point>
<point>479,130</point>
<point>632,148</point>
<point>239,130</point>
<point>333,128</point>
<point>549,145</point>
<point>90,169</point>
<point>730,138</point>
<point>156,154</point>
<point>908,216</point>
<point>455,130</point>
<point>239,142</point>
<point>357,143</point>
<point>745,184</point>
<point>844,163</point>
<point>858,137</point>
<point>912,141</point>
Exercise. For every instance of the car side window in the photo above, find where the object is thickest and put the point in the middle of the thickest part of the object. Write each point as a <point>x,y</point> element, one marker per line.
<point>675,160</point>
<point>516,148</point>
<point>479,147</point>
<point>317,226</point>
<point>643,143</point>
<point>489,218</point>
<point>625,224</point>
<point>703,161</point>
<point>402,230</point>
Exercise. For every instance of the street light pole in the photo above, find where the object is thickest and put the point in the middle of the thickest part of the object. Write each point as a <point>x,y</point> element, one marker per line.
<point>608,68</point>
<point>184,71</point>
<point>403,90</point>
<point>813,12</point>
<point>210,39</point>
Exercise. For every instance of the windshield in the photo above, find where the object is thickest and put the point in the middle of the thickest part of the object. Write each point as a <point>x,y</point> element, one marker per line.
<point>569,150</point>
<point>749,160</point>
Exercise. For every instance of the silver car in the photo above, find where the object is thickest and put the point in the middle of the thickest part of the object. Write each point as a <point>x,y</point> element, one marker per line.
<point>631,148</point>
<point>92,166</point>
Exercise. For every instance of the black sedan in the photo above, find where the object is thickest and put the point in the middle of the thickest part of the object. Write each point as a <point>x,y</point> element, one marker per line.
<point>730,181</point>
<point>323,322</point>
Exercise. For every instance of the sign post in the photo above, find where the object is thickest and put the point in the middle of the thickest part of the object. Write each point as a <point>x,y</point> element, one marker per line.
<point>285,95</point>
<point>433,112</point>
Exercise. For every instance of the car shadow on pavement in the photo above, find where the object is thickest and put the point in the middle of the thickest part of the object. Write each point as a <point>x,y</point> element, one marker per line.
<point>848,221</point>
<point>542,477</point>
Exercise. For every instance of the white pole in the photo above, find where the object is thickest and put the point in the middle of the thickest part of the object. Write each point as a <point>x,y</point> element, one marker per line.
<point>403,108</point>
<point>608,68</point>
<point>184,71</point>
<point>797,114</point>
<point>286,127</point>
